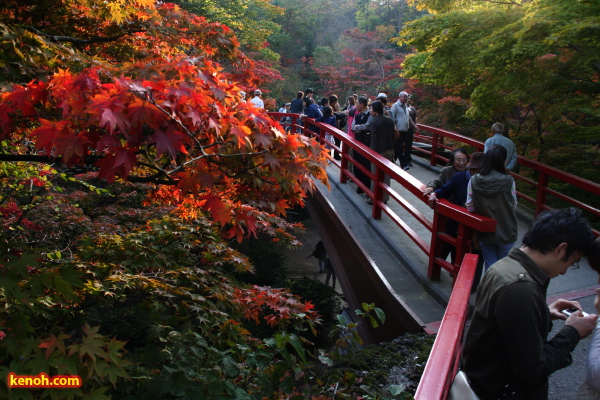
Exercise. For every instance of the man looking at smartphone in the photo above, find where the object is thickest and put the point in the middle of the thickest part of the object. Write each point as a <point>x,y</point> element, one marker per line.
<point>507,354</point>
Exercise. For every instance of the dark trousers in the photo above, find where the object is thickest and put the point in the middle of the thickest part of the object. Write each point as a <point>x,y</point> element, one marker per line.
<point>362,137</point>
<point>403,147</point>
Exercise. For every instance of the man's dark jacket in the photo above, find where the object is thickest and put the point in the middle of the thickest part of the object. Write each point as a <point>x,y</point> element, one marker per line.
<point>507,354</point>
<point>382,133</point>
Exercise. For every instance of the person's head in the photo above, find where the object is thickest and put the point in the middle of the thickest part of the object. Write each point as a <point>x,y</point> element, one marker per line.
<point>563,235</point>
<point>325,101</point>
<point>333,99</point>
<point>409,101</point>
<point>494,160</point>
<point>475,163</point>
<point>287,106</point>
<point>403,97</point>
<point>242,94</point>
<point>307,101</point>
<point>300,94</point>
<point>308,92</point>
<point>351,101</point>
<point>362,103</point>
<point>377,107</point>
<point>257,92</point>
<point>327,111</point>
<point>497,128</point>
<point>459,159</point>
<point>382,97</point>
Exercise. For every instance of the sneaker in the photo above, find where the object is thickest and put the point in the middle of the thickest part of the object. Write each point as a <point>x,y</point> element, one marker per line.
<point>406,168</point>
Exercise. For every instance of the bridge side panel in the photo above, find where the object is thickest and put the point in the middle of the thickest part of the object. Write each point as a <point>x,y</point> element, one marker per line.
<point>359,277</point>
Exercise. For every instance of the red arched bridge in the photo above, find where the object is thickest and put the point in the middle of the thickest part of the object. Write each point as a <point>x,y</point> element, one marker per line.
<point>416,234</point>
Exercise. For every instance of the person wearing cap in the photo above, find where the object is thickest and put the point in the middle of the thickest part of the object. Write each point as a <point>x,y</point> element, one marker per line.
<point>256,100</point>
<point>401,116</point>
<point>242,96</point>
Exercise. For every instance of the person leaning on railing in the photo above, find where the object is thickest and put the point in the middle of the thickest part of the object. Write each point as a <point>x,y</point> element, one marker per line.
<point>457,163</point>
<point>456,190</point>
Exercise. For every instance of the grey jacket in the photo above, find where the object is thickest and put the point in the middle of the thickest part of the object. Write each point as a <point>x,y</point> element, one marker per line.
<point>492,196</point>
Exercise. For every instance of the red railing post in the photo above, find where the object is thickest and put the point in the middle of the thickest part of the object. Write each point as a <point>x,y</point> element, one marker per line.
<point>541,193</point>
<point>344,163</point>
<point>436,248</point>
<point>377,192</point>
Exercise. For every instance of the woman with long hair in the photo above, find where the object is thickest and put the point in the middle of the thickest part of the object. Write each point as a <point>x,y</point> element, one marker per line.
<point>492,193</point>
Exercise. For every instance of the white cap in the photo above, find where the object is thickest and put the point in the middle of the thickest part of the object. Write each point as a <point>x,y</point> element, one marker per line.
<point>242,93</point>
<point>256,92</point>
<point>380,95</point>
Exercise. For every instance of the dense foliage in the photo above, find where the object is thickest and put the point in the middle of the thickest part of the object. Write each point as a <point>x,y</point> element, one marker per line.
<point>533,65</point>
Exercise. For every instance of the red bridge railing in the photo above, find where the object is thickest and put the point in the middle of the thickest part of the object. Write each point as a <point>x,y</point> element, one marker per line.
<point>444,358</point>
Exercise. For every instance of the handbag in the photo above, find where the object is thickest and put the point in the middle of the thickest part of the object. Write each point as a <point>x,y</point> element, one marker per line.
<point>461,389</point>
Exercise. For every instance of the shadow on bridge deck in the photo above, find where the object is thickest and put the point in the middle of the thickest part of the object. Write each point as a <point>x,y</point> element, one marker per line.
<point>401,265</point>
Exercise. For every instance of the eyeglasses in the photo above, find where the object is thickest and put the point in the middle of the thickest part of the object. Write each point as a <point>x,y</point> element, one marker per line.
<point>461,160</point>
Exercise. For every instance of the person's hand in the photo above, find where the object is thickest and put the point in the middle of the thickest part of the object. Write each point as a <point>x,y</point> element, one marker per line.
<point>584,325</point>
<point>432,199</point>
<point>562,304</point>
<point>428,190</point>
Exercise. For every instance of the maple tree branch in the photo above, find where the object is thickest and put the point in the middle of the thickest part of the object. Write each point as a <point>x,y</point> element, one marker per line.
<point>93,39</point>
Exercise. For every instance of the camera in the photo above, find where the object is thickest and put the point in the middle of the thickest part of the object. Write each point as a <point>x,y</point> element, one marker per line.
<point>570,311</point>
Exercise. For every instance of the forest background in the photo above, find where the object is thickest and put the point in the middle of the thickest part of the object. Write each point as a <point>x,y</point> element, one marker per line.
<point>135,185</point>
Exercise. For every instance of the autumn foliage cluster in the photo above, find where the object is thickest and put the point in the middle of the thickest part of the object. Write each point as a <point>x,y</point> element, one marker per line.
<point>128,164</point>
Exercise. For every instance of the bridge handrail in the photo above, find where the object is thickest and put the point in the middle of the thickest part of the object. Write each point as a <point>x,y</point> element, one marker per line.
<point>444,358</point>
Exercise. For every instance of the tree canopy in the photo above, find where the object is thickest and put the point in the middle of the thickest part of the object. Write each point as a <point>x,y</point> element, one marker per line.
<point>532,64</point>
